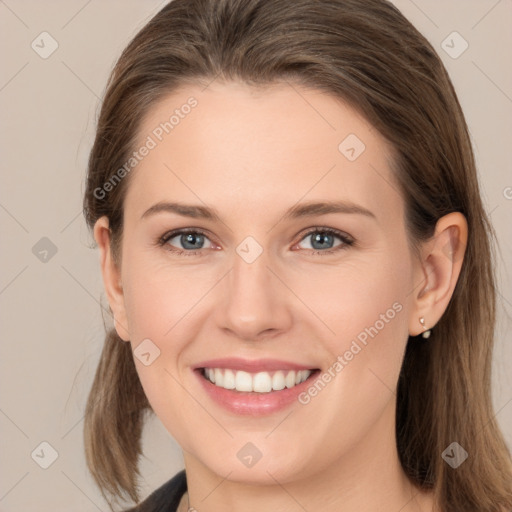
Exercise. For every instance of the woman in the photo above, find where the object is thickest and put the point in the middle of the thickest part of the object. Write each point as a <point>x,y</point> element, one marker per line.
<point>236,138</point>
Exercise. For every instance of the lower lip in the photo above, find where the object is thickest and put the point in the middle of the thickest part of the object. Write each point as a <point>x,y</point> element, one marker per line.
<point>252,403</point>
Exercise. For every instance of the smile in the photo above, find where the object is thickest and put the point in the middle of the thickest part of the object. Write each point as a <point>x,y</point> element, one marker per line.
<point>260,382</point>
<point>254,387</point>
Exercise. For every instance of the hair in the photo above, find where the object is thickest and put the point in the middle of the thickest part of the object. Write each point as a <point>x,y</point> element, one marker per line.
<point>366,53</point>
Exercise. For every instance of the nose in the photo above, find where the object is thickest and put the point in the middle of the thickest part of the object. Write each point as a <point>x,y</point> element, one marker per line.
<point>255,304</point>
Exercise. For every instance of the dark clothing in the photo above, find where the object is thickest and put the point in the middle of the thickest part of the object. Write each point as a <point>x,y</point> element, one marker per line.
<point>166,498</point>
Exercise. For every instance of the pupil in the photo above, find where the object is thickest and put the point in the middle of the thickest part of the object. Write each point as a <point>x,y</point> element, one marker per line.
<point>321,237</point>
<point>189,238</point>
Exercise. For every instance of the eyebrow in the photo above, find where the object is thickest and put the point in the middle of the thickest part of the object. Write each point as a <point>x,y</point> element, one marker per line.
<point>298,211</point>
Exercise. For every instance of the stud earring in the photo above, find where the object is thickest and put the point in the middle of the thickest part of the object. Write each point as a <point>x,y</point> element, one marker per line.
<point>427,332</point>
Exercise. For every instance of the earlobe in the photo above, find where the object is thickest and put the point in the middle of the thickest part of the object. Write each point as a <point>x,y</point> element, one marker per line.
<point>111,277</point>
<point>441,262</point>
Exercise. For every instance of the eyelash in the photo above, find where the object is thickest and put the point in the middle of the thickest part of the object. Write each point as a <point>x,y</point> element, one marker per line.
<point>347,241</point>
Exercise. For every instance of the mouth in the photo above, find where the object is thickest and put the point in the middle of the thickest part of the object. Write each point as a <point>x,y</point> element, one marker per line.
<point>256,382</point>
<point>254,387</point>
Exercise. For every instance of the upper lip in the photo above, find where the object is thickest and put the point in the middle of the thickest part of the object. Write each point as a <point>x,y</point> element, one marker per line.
<point>252,365</point>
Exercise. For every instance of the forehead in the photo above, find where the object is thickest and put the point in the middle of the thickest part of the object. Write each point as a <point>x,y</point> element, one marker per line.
<point>253,149</point>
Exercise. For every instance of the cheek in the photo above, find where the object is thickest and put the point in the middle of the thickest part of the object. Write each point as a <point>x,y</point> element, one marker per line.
<point>160,306</point>
<point>159,295</point>
<point>366,310</point>
<point>363,301</point>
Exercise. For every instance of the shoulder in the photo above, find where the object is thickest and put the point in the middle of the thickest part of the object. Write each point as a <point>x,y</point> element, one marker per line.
<point>166,498</point>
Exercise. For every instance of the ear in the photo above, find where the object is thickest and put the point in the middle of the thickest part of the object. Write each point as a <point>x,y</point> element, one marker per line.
<point>439,268</point>
<point>111,277</point>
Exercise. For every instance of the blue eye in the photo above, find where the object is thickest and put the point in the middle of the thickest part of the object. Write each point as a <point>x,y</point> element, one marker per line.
<point>192,241</point>
<point>325,238</point>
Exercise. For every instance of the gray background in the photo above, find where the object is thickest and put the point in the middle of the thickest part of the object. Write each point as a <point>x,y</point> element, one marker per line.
<point>51,328</point>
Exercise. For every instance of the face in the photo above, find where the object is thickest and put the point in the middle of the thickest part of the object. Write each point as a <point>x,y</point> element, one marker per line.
<point>266,290</point>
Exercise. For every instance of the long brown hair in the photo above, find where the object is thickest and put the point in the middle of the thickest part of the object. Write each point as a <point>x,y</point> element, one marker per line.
<point>366,53</point>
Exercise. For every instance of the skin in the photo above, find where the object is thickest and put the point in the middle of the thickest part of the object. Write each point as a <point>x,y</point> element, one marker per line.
<point>252,154</point>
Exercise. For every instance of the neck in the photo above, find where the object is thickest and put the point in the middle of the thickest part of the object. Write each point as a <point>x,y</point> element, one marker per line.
<point>367,478</point>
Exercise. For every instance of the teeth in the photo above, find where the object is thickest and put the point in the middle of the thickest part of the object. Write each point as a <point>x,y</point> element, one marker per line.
<point>229,379</point>
<point>219,377</point>
<point>243,381</point>
<point>278,382</point>
<point>261,382</point>
<point>290,379</point>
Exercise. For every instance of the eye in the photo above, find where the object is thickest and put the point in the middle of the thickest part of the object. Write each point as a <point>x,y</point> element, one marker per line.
<point>322,240</point>
<point>191,241</point>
